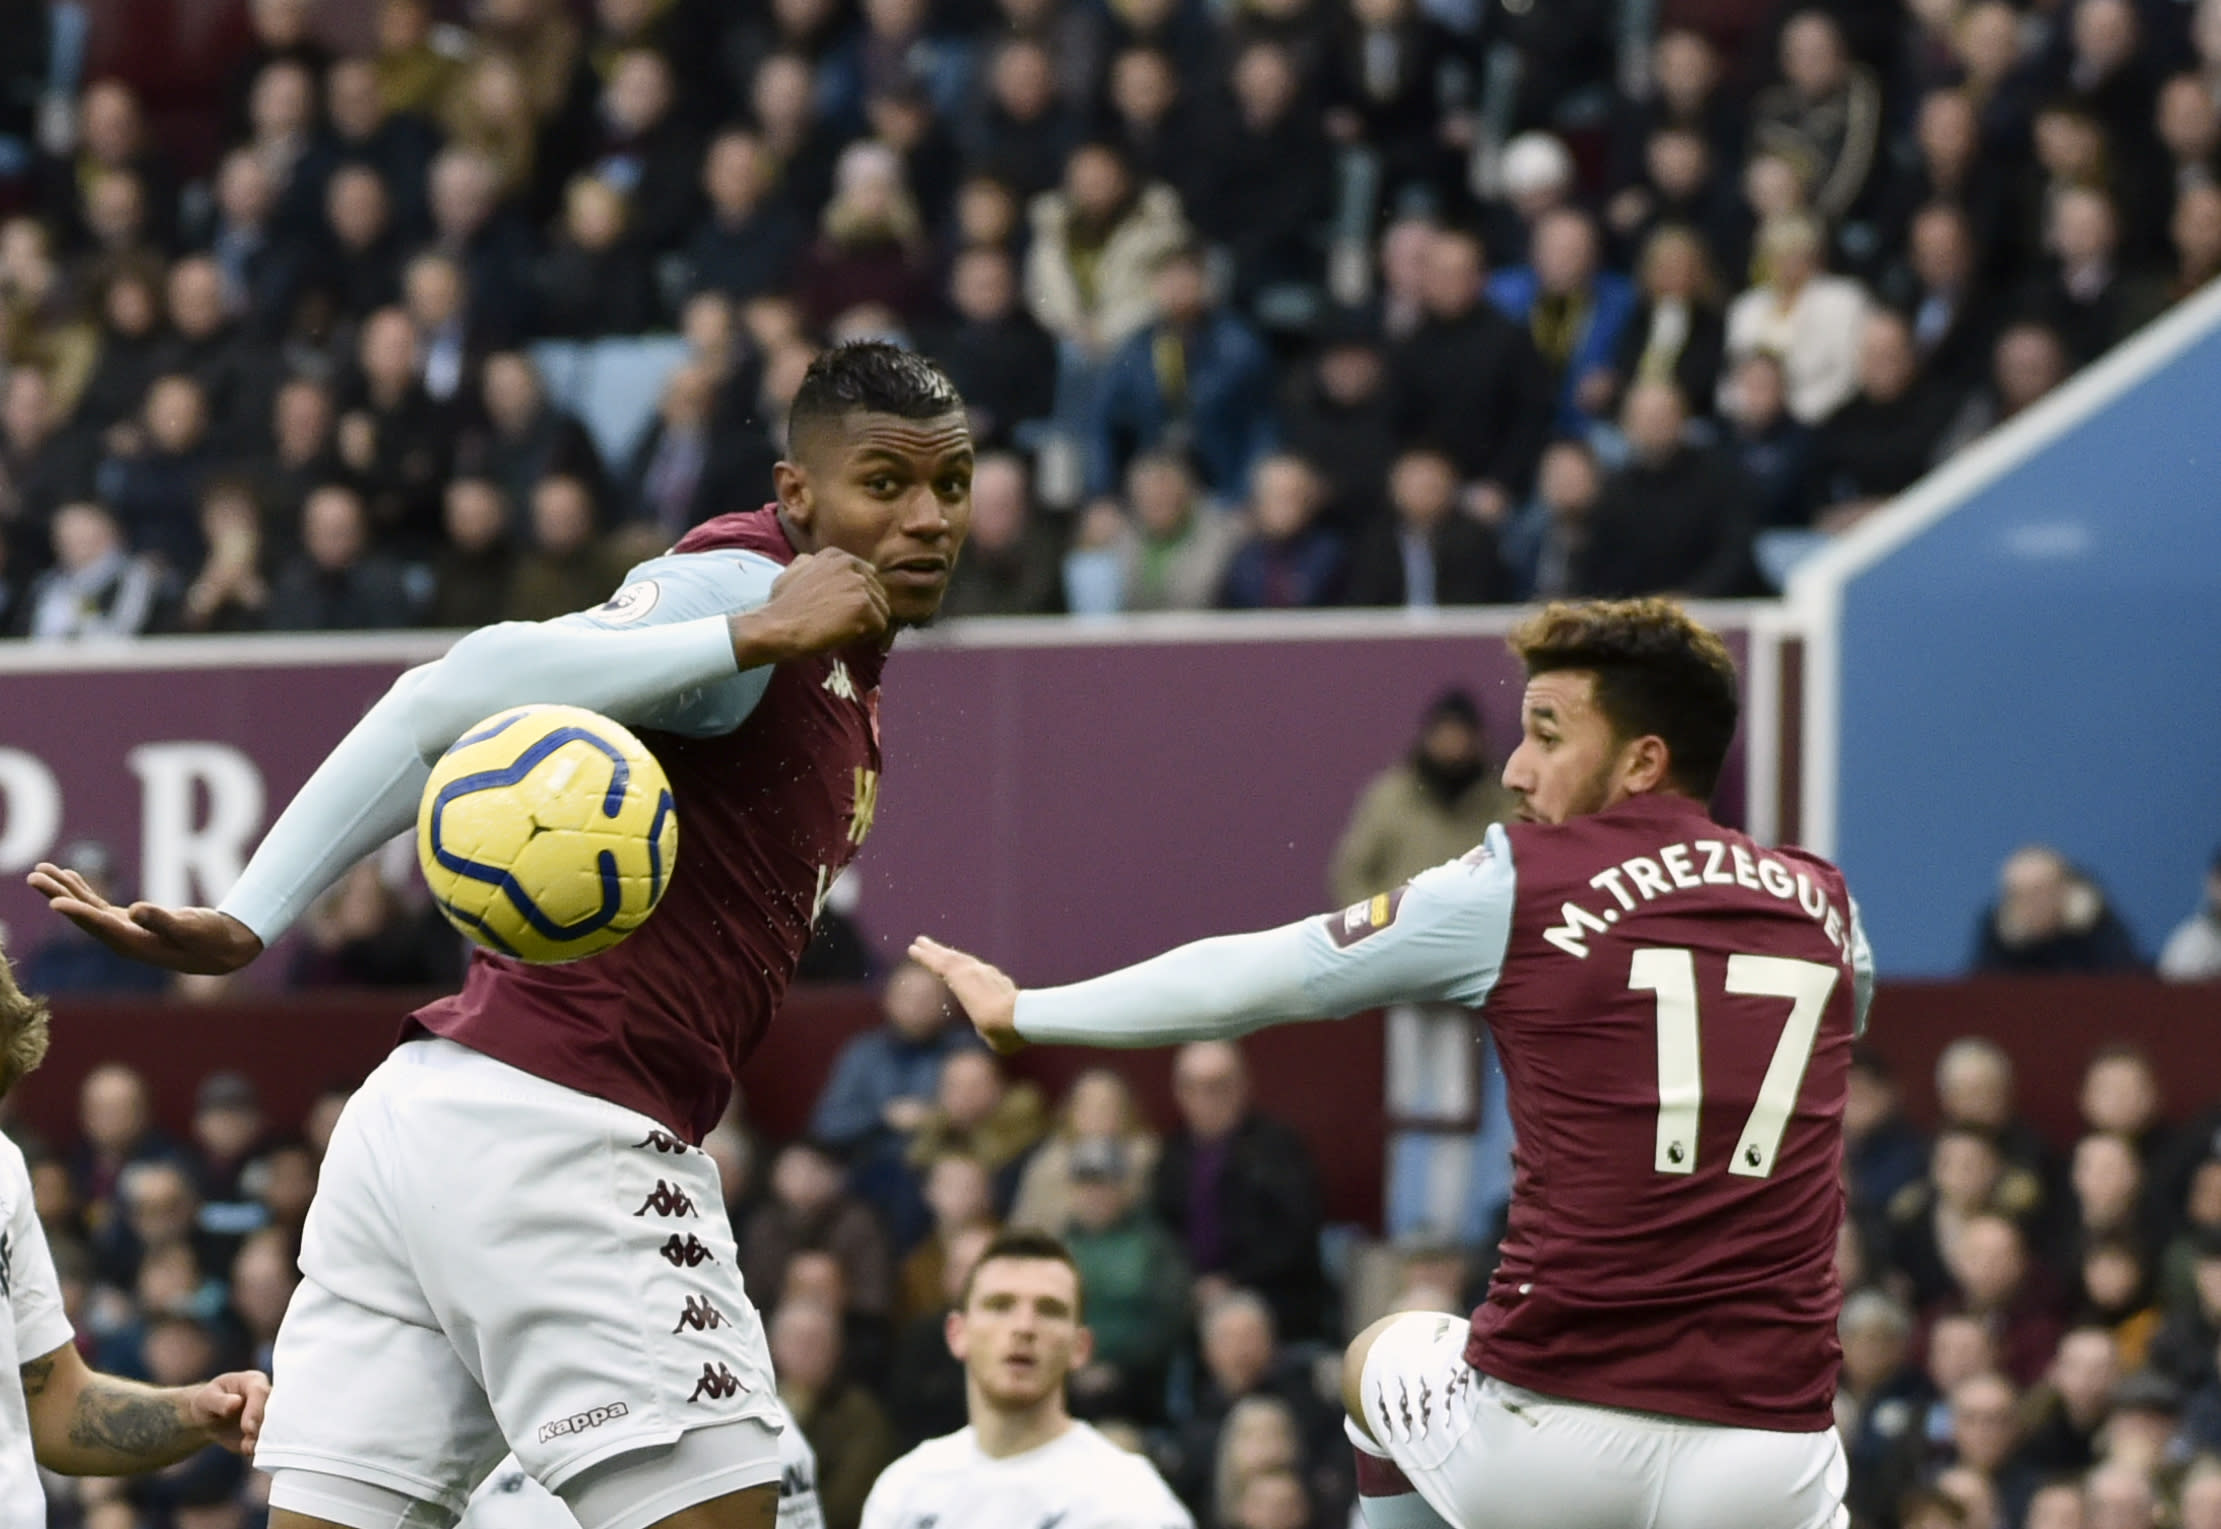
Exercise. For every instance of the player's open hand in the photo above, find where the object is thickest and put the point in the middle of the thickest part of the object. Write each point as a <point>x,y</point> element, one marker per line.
<point>825,600</point>
<point>987,996</point>
<point>230,1409</point>
<point>197,940</point>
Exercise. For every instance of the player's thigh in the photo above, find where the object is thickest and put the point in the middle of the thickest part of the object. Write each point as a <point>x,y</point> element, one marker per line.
<point>721,1477</point>
<point>580,1260</point>
<point>1490,1456</point>
<point>364,1399</point>
<point>1353,1366</point>
<point>1747,1478</point>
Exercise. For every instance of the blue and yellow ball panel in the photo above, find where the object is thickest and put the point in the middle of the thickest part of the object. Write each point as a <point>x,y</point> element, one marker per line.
<point>547,833</point>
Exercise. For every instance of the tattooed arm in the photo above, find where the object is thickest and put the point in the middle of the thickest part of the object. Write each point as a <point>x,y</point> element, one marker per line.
<point>87,1424</point>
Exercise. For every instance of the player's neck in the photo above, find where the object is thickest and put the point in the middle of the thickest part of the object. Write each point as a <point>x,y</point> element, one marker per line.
<point>1002,1434</point>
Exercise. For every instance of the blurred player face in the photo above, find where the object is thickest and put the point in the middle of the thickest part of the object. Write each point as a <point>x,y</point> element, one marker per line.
<point>1571,761</point>
<point>1019,1335</point>
<point>895,492</point>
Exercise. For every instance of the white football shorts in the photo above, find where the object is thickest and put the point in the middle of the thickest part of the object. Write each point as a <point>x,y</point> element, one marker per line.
<point>1487,1455</point>
<point>494,1262</point>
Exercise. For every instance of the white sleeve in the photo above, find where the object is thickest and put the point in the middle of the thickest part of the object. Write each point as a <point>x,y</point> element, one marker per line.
<point>32,1288</point>
<point>660,654</point>
<point>1862,971</point>
<point>798,1501</point>
<point>1439,938</point>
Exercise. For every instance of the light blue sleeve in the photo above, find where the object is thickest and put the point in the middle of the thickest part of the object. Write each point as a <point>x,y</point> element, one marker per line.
<point>689,586</point>
<point>1440,938</point>
<point>657,654</point>
<point>1862,970</point>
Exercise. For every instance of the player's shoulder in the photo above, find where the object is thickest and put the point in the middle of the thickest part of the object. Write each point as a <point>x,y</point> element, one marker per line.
<point>15,1168</point>
<point>950,1454</point>
<point>1125,1484</point>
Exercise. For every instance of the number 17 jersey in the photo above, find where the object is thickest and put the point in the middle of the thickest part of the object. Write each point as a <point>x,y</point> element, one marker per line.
<point>1674,1012</point>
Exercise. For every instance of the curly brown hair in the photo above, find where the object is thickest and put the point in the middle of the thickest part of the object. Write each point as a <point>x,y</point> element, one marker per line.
<point>23,1030</point>
<point>1658,673</point>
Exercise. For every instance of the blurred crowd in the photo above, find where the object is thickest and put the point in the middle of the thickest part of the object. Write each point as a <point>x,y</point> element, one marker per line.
<point>2030,1331</point>
<point>1257,303</point>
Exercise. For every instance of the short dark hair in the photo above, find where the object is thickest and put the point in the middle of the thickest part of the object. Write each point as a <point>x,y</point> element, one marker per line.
<point>1024,1245</point>
<point>1658,672</point>
<point>870,377</point>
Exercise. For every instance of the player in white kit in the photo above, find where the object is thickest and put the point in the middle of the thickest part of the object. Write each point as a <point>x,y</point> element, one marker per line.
<point>1024,1462</point>
<point>64,1415</point>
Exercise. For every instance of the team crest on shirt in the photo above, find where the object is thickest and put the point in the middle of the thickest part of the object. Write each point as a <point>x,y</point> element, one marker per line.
<point>1359,920</point>
<point>631,603</point>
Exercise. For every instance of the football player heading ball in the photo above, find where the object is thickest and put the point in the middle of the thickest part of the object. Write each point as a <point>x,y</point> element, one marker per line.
<point>515,1245</point>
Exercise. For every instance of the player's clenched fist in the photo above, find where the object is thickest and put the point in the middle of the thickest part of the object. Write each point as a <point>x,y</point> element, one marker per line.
<point>825,600</point>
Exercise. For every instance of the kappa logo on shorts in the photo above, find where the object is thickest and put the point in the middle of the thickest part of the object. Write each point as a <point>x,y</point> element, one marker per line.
<point>687,1254</point>
<point>579,1422</point>
<point>716,1383</point>
<point>664,1141</point>
<point>701,1315</point>
<point>666,1201</point>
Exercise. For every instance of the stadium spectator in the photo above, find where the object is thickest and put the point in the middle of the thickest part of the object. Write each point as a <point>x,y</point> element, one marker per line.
<point>1243,1361</point>
<point>1241,1192</point>
<point>1195,378</point>
<point>369,932</point>
<point>1882,1150</point>
<point>98,588</point>
<point>303,457</point>
<point>230,593</point>
<point>978,1110</point>
<point>2193,949</point>
<point>130,348</point>
<point>845,1426</point>
<point>1947,169</point>
<point>42,466</point>
<point>1677,329</point>
<point>2027,363</point>
<point>110,137</point>
<point>686,468</point>
<point>1428,553</point>
<point>809,1209</point>
<point>1011,564</point>
<point>2050,917</point>
<point>1000,359</point>
<point>262,1282</point>
<point>1288,561</point>
<point>337,582</point>
<point>1098,1107</point>
<point>646,152</point>
<point>961,1197</point>
<point>1433,806</point>
<point>1804,316</point>
<point>448,353</point>
<point>748,242</point>
<point>566,566</point>
<point>153,475</point>
<point>1137,1286</point>
<point>362,128</point>
<point>1939,290</point>
<point>238,377</point>
<point>2120,1496</point>
<point>395,442</point>
<point>1967,1177</point>
<point>525,435</point>
<point>2121,1097</point>
<point>1023,130</point>
<point>1975,1088</point>
<point>1998,1284</point>
<point>1985,1437</point>
<point>1156,118</point>
<point>1341,420</point>
<point>1882,1392</point>
<point>925,1382</point>
<point>1467,381</point>
<point>1574,311</point>
<point>1096,244</point>
<point>1675,518</point>
<point>2067,1415</point>
<point>1881,441</point>
<point>1274,185</point>
<point>1172,554</point>
<point>1396,83</point>
<point>594,279</point>
<point>2088,294</point>
<point>1825,116</point>
<point>883,1081</point>
<point>472,228</point>
<point>1547,543</point>
<point>2195,234</point>
<point>871,247</point>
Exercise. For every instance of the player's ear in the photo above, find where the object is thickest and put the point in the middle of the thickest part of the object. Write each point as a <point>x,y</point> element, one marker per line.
<point>790,485</point>
<point>958,1336</point>
<point>1083,1348</point>
<point>1646,764</point>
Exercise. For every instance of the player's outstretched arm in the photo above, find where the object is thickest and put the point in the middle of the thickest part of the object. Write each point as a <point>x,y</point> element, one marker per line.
<point>87,1424</point>
<point>1438,939</point>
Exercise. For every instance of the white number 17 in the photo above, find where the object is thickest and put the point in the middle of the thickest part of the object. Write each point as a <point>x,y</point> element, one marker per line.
<point>1672,975</point>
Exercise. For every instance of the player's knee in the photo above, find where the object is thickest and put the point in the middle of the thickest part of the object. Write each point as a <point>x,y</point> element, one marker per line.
<point>1353,1371</point>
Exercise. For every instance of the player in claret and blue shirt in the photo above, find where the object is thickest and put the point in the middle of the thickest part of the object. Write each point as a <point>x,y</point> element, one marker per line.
<point>1674,1004</point>
<point>517,1243</point>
